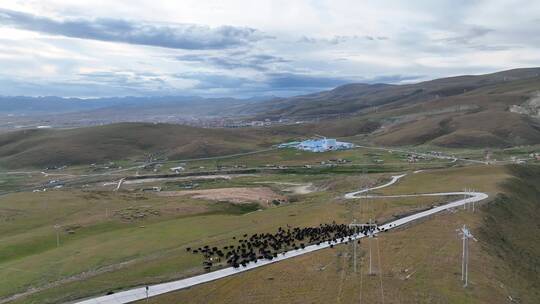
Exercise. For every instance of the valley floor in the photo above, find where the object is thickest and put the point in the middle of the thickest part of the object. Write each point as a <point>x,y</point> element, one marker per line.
<point>113,240</point>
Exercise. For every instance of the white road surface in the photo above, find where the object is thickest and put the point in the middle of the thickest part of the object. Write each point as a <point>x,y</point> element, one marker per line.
<point>140,293</point>
<point>355,194</point>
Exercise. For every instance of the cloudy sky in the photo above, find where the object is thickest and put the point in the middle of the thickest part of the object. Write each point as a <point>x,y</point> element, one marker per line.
<point>253,48</point>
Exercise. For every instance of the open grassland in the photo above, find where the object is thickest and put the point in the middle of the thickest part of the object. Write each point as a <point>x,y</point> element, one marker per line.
<point>12,182</point>
<point>286,161</point>
<point>418,264</point>
<point>159,246</point>
<point>130,143</point>
<point>369,159</point>
<point>130,238</point>
<point>126,141</point>
<point>456,112</point>
<point>479,177</point>
<point>352,161</point>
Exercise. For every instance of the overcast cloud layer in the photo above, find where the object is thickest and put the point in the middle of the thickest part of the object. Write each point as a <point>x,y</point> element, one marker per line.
<point>247,48</point>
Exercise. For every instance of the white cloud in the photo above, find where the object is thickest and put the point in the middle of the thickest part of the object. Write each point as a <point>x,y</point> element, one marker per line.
<point>323,41</point>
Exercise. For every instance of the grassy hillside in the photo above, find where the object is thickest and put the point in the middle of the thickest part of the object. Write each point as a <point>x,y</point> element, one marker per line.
<point>456,112</point>
<point>353,98</point>
<point>107,252</point>
<point>332,128</point>
<point>477,118</point>
<point>122,141</point>
<point>48,147</point>
<point>463,111</point>
<point>513,231</point>
<point>418,264</point>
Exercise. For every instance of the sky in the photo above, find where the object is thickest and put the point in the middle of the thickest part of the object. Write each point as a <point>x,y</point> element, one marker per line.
<point>254,48</point>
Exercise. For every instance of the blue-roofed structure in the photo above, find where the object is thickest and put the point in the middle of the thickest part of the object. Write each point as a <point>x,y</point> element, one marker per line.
<point>318,145</point>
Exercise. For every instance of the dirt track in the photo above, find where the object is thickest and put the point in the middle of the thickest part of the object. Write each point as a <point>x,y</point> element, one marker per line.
<point>294,188</point>
<point>261,195</point>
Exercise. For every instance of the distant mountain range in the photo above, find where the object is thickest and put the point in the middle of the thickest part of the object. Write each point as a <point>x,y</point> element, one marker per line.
<point>190,105</point>
<point>499,109</point>
<point>358,97</point>
<point>349,99</point>
<point>494,110</point>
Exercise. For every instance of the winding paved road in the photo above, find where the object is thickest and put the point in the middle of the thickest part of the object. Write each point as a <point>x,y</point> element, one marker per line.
<point>355,194</point>
<point>140,293</point>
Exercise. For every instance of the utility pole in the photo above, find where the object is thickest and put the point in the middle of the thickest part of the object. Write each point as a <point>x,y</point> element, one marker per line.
<point>370,264</point>
<point>465,236</point>
<point>370,269</point>
<point>469,205</point>
<point>370,233</point>
<point>57,227</point>
<point>473,202</point>
<point>370,237</point>
<point>354,250</point>
<point>464,197</point>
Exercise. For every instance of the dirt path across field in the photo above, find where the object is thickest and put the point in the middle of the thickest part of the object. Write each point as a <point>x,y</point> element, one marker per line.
<point>294,188</point>
<point>160,179</point>
<point>261,195</point>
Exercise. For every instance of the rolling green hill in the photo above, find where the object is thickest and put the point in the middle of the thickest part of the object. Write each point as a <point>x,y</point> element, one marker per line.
<point>37,148</point>
<point>357,97</point>
<point>53,147</point>
<point>511,228</point>
<point>477,118</point>
<point>463,111</point>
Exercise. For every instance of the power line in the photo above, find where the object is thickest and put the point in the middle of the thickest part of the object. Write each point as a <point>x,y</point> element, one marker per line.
<point>354,244</point>
<point>361,283</point>
<point>370,234</point>
<point>467,192</point>
<point>465,236</point>
<point>380,270</point>
<point>57,228</point>
<point>370,264</point>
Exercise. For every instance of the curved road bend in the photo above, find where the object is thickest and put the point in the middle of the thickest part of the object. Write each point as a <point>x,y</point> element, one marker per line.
<point>140,293</point>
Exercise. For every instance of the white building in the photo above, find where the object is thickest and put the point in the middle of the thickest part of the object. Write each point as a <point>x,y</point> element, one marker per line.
<point>319,145</point>
<point>177,169</point>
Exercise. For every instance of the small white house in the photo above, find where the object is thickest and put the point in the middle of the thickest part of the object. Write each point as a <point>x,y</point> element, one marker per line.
<point>177,169</point>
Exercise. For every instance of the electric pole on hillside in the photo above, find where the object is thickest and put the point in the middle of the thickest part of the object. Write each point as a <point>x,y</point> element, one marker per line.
<point>370,237</point>
<point>370,234</point>
<point>468,192</point>
<point>465,236</point>
<point>467,206</point>
<point>472,203</point>
<point>57,228</point>
<point>465,193</point>
<point>355,241</point>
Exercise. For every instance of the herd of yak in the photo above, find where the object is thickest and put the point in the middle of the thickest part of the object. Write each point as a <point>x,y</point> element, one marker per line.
<point>268,246</point>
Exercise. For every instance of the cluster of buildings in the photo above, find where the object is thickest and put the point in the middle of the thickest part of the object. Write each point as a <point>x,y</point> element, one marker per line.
<point>535,156</point>
<point>239,123</point>
<point>413,158</point>
<point>318,145</point>
<point>522,160</point>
